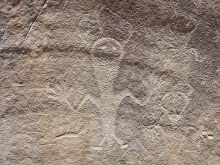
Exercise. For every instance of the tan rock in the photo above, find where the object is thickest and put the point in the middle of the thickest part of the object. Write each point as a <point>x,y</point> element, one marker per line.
<point>109,82</point>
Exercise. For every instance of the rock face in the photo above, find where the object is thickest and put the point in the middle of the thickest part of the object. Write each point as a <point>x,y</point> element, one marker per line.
<point>110,82</point>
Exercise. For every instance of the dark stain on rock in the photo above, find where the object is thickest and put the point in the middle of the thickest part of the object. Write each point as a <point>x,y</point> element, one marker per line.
<point>114,26</point>
<point>204,72</point>
<point>132,117</point>
<point>139,13</point>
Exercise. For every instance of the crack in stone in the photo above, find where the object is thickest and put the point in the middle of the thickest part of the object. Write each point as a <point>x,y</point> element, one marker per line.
<point>29,30</point>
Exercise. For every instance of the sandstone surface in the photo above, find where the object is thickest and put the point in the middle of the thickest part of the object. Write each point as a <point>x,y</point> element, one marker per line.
<point>110,82</point>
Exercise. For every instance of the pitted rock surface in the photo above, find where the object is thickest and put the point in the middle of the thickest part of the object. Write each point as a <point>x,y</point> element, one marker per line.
<point>110,82</point>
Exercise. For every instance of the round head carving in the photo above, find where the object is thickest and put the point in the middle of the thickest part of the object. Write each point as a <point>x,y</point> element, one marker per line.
<point>106,48</point>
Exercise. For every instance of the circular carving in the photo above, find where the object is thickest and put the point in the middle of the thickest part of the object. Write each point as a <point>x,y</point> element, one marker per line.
<point>174,102</point>
<point>107,48</point>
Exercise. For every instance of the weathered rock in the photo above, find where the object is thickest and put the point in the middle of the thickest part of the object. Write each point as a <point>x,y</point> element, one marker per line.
<point>109,82</point>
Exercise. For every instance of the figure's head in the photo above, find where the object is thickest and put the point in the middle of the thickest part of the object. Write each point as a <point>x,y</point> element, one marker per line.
<point>106,48</point>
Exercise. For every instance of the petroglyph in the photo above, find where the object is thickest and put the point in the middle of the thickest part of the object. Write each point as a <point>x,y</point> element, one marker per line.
<point>105,55</point>
<point>208,135</point>
<point>110,82</point>
<point>140,125</point>
<point>174,102</point>
<point>89,28</point>
<point>60,94</point>
<point>70,134</point>
<point>106,48</point>
<point>204,138</point>
<point>184,88</point>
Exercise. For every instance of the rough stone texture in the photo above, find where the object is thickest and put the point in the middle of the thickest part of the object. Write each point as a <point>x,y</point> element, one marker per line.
<point>110,82</point>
